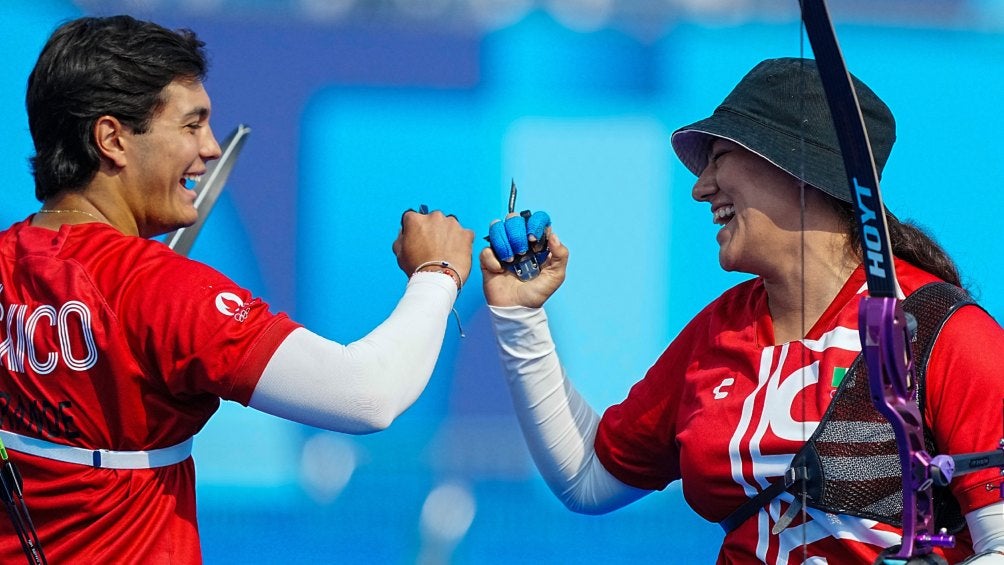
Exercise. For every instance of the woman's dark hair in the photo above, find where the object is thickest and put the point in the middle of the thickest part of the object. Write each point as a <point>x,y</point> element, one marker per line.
<point>909,242</point>
<point>92,67</point>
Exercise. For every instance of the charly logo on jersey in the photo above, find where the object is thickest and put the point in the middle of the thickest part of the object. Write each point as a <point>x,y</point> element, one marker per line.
<point>229,304</point>
<point>721,391</point>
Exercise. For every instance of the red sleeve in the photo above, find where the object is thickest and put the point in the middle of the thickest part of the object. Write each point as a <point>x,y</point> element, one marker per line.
<point>636,439</point>
<point>198,331</point>
<point>965,398</point>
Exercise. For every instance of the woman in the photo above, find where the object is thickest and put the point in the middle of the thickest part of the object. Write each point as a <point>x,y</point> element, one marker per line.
<point>740,390</point>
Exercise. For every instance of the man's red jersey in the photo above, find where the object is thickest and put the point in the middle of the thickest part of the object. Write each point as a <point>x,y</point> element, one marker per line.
<point>116,342</point>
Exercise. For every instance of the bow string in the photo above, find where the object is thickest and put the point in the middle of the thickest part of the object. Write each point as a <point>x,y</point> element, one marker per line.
<point>883,325</point>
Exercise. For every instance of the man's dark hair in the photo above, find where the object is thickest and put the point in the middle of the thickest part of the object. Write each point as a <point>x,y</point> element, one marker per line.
<point>91,67</point>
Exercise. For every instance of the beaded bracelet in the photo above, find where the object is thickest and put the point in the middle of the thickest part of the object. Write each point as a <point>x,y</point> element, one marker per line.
<point>445,267</point>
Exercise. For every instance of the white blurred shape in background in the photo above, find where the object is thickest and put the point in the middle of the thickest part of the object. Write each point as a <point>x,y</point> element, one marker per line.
<point>327,463</point>
<point>446,516</point>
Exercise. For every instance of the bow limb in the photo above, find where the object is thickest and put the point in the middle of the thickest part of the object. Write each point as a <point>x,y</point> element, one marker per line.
<point>883,326</point>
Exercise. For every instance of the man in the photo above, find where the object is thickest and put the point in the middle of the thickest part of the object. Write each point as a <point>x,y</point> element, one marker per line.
<point>116,350</point>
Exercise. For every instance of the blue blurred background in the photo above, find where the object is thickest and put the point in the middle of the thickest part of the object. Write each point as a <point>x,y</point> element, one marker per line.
<point>362,108</point>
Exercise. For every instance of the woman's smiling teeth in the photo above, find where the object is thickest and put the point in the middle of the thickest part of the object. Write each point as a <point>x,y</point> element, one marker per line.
<point>724,214</point>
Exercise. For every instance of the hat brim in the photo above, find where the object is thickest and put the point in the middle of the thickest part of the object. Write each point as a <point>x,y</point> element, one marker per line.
<point>810,162</point>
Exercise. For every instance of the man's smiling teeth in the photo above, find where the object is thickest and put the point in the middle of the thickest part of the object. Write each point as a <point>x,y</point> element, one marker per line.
<point>190,181</point>
<point>724,214</point>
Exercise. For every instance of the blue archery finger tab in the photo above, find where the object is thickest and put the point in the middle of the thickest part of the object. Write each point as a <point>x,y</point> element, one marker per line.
<point>500,243</point>
<point>511,244</point>
<point>503,237</point>
<point>525,264</point>
<point>515,230</point>
<point>536,225</point>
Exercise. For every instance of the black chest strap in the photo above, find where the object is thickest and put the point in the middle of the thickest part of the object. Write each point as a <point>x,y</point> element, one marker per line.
<point>850,464</point>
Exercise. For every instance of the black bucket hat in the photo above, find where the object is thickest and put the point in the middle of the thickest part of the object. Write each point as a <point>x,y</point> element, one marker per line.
<point>779,111</point>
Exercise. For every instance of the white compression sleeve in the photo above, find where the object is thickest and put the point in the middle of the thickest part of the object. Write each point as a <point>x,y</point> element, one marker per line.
<point>986,525</point>
<point>363,386</point>
<point>558,424</point>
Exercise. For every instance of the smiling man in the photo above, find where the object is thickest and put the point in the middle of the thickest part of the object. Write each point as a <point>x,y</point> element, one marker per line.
<point>115,350</point>
<point>141,183</point>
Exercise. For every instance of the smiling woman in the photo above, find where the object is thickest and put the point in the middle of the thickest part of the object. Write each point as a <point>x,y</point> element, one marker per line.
<point>737,394</point>
<point>768,223</point>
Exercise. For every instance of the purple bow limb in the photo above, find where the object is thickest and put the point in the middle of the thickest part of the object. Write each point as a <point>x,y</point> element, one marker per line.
<point>885,341</point>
